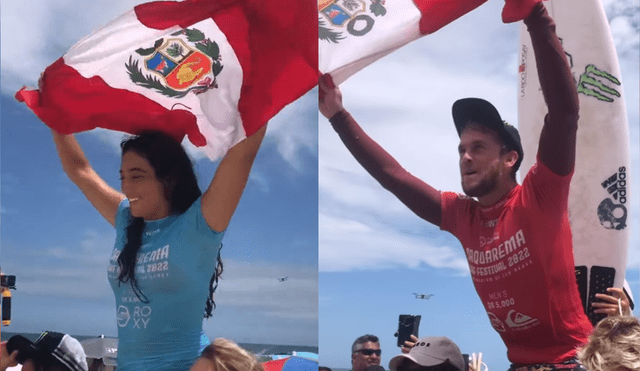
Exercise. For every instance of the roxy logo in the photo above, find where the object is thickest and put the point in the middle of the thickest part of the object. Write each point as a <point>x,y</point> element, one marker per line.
<point>616,185</point>
<point>141,316</point>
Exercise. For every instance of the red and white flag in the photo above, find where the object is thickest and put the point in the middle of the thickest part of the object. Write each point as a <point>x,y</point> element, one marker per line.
<point>214,70</point>
<point>356,33</point>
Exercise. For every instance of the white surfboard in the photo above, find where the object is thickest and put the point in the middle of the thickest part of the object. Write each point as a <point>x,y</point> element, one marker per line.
<point>599,197</point>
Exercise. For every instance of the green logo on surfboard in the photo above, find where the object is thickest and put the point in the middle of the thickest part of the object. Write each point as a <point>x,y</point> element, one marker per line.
<point>591,86</point>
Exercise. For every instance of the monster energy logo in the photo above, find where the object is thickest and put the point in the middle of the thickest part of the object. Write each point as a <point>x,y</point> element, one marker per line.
<point>590,86</point>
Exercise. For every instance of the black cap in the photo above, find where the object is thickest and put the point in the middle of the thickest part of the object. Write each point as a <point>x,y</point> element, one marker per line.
<point>26,349</point>
<point>50,346</point>
<point>484,113</point>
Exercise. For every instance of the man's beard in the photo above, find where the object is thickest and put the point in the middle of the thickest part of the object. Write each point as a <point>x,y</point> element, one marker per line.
<point>486,185</point>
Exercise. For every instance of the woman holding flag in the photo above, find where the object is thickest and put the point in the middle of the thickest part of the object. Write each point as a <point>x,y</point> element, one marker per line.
<point>194,68</point>
<point>163,267</point>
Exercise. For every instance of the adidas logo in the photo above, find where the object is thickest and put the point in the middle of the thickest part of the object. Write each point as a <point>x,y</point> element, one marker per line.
<point>616,185</point>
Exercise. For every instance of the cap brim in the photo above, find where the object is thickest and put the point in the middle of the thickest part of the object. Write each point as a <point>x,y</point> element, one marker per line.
<point>26,349</point>
<point>477,110</point>
<point>393,363</point>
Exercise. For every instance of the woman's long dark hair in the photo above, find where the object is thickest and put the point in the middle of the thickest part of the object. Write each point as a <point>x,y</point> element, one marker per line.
<point>174,170</point>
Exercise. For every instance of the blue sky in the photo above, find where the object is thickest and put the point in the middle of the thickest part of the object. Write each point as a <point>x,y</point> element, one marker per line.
<point>374,253</point>
<point>58,246</point>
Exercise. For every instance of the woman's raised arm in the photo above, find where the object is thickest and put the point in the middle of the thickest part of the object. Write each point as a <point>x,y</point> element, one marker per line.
<point>221,199</point>
<point>101,195</point>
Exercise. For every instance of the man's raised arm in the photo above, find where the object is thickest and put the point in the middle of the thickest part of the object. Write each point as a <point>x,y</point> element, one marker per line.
<point>418,196</point>
<point>557,147</point>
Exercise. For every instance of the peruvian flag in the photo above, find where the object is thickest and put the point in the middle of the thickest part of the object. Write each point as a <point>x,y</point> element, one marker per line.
<point>356,33</point>
<point>213,70</point>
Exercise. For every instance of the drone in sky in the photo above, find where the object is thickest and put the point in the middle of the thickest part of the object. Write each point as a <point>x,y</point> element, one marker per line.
<point>423,296</point>
<point>282,279</point>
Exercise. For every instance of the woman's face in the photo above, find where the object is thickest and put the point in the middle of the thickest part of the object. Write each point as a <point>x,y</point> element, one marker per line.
<point>145,192</point>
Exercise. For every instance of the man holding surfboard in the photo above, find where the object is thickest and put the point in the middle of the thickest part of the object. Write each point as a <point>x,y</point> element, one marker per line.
<point>517,238</point>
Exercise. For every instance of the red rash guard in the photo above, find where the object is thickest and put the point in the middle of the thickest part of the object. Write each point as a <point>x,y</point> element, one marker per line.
<point>519,249</point>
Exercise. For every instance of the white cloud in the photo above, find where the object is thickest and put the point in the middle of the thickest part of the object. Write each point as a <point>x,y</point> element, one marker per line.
<point>294,130</point>
<point>74,272</point>
<point>80,272</point>
<point>37,32</point>
<point>349,244</point>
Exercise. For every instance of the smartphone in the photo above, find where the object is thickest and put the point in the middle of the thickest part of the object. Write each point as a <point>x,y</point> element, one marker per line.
<point>407,325</point>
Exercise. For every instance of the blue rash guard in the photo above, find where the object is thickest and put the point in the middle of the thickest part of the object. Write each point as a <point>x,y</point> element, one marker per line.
<point>175,264</point>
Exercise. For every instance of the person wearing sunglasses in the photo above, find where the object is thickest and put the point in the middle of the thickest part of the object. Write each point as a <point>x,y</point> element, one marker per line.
<point>365,352</point>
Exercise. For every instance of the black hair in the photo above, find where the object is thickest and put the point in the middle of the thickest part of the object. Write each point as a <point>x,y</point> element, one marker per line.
<point>55,365</point>
<point>46,362</point>
<point>174,170</point>
<point>363,339</point>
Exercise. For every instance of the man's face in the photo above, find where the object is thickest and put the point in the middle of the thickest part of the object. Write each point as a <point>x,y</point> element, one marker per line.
<point>368,355</point>
<point>481,165</point>
<point>31,365</point>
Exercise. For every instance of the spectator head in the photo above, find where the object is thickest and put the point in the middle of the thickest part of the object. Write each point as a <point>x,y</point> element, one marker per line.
<point>52,351</point>
<point>430,354</point>
<point>225,355</point>
<point>365,352</point>
<point>614,345</point>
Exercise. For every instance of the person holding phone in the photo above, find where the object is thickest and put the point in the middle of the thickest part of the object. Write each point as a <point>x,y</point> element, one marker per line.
<point>433,353</point>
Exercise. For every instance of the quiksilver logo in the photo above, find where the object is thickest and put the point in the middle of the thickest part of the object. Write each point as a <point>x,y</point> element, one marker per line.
<point>516,319</point>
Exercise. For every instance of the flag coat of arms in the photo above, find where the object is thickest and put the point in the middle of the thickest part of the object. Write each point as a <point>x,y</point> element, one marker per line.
<point>355,33</point>
<point>215,71</point>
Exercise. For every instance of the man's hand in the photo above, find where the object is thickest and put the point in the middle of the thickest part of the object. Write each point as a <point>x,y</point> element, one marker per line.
<point>409,344</point>
<point>476,363</point>
<point>329,97</point>
<point>611,305</point>
<point>7,360</point>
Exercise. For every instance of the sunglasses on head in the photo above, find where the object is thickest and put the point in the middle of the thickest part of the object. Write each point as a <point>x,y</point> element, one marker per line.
<point>368,352</point>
